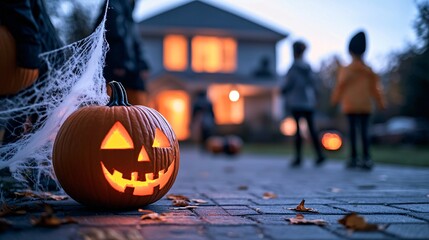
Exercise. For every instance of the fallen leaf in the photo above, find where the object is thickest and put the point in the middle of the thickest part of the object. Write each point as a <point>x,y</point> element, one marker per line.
<point>4,225</point>
<point>355,222</point>
<point>48,219</point>
<point>302,208</point>
<point>300,220</point>
<point>177,197</point>
<point>152,216</point>
<point>145,211</point>
<point>198,201</point>
<point>243,187</point>
<point>180,203</point>
<point>269,195</point>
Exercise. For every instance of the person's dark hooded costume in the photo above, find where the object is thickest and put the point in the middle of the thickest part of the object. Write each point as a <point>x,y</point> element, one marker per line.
<point>357,45</point>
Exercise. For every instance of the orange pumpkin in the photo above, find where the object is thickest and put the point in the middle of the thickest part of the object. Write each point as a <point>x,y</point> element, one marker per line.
<point>13,78</point>
<point>116,156</point>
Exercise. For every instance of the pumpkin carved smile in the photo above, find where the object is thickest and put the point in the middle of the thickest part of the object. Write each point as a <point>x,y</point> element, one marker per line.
<point>141,188</point>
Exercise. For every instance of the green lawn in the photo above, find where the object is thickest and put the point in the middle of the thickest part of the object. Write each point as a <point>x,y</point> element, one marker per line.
<point>403,155</point>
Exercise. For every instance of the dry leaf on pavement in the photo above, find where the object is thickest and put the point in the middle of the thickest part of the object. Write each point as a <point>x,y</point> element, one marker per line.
<point>269,195</point>
<point>153,216</point>
<point>177,197</point>
<point>48,219</point>
<point>355,222</point>
<point>302,208</point>
<point>300,220</point>
<point>180,203</point>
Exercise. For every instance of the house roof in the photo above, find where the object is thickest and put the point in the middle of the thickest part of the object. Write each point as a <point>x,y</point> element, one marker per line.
<point>198,17</point>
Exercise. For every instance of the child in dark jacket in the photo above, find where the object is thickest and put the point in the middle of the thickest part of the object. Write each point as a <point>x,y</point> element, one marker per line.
<point>300,95</point>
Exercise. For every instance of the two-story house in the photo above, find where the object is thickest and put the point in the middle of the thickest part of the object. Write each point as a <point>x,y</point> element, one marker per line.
<point>201,46</point>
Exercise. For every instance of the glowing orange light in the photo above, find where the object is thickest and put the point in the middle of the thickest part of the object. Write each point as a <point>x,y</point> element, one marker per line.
<point>226,111</point>
<point>143,157</point>
<point>331,141</point>
<point>213,54</point>
<point>174,106</point>
<point>175,53</point>
<point>160,140</point>
<point>117,138</point>
<point>288,127</point>
<point>141,188</point>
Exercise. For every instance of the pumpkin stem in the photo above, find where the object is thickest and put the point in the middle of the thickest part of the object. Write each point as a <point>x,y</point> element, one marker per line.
<point>119,95</point>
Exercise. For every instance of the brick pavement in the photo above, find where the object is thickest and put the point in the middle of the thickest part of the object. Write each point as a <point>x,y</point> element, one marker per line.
<point>233,187</point>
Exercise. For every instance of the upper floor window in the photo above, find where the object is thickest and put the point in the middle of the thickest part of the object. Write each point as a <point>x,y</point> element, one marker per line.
<point>214,54</point>
<point>175,53</point>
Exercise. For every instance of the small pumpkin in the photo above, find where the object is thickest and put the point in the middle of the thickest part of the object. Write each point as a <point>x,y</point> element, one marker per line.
<point>13,78</point>
<point>116,156</point>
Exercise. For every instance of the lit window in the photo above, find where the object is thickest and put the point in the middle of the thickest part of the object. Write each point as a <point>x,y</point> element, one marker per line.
<point>213,54</point>
<point>175,53</point>
<point>174,106</point>
<point>226,110</point>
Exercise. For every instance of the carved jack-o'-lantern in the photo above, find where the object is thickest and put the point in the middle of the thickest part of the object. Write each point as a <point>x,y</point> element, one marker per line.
<point>117,156</point>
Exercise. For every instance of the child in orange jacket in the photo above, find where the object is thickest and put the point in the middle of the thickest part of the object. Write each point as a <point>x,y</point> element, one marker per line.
<point>357,86</point>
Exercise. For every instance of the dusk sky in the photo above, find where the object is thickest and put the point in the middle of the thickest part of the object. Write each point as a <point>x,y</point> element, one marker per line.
<point>325,25</point>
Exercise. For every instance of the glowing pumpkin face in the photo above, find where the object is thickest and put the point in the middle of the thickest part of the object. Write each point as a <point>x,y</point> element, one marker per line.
<point>116,156</point>
<point>143,180</point>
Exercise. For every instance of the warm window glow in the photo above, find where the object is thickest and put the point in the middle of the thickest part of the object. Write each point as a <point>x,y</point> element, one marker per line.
<point>117,138</point>
<point>160,141</point>
<point>214,54</point>
<point>143,157</point>
<point>175,53</point>
<point>174,106</point>
<point>226,111</point>
<point>331,141</point>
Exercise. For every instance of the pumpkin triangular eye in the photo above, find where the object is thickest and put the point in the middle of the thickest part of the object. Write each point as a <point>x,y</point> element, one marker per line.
<point>143,157</point>
<point>117,138</point>
<point>160,141</point>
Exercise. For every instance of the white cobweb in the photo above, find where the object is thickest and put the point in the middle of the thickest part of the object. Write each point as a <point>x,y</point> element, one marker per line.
<point>74,79</point>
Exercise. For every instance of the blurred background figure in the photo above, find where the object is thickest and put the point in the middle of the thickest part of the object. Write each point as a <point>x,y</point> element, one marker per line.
<point>203,119</point>
<point>357,86</point>
<point>125,62</point>
<point>300,94</point>
<point>33,33</point>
